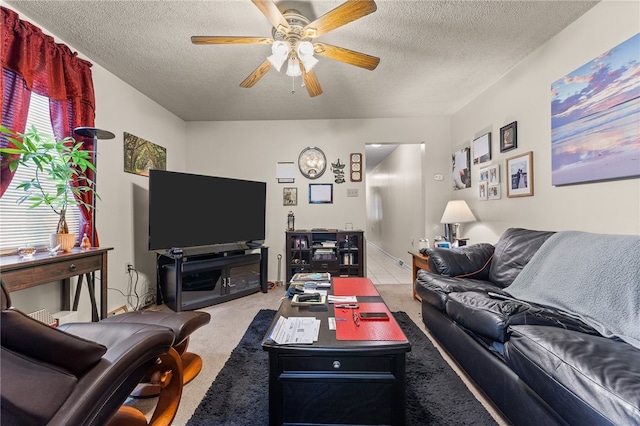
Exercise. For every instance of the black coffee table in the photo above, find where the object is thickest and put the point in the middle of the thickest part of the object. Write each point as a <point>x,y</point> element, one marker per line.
<point>336,381</point>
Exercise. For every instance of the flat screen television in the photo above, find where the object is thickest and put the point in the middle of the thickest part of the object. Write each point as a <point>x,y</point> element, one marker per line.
<point>190,210</point>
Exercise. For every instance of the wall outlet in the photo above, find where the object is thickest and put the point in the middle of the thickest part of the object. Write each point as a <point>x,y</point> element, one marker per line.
<point>352,192</point>
<point>128,266</point>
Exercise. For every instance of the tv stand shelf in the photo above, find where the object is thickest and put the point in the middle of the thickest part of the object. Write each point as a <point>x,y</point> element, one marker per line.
<point>192,281</point>
<point>341,253</point>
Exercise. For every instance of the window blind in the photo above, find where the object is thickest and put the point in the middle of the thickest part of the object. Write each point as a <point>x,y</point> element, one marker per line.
<point>19,224</point>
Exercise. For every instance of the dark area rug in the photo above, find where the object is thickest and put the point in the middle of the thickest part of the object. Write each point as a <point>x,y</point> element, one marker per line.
<point>435,393</point>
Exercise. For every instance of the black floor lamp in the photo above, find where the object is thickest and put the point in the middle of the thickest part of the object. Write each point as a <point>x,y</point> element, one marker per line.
<point>95,134</point>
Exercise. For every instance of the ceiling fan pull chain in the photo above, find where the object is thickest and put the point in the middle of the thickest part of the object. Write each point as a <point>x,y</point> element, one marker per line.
<point>293,85</point>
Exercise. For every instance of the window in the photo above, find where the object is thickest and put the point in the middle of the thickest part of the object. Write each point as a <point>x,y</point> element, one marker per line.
<point>20,225</point>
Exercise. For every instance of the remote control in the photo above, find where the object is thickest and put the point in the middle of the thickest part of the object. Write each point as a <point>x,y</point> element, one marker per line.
<point>315,297</point>
<point>332,323</point>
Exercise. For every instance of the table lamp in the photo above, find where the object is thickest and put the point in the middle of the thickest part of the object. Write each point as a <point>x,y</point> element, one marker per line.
<point>456,212</point>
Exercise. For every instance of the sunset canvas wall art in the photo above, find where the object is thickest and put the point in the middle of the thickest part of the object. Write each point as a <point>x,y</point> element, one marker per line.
<point>595,118</point>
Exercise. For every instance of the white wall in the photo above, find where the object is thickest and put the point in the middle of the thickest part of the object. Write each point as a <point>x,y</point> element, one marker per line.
<point>250,150</point>
<point>524,95</point>
<point>122,215</point>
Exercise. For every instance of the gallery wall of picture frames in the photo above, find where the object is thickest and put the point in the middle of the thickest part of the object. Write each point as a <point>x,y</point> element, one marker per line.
<point>312,164</point>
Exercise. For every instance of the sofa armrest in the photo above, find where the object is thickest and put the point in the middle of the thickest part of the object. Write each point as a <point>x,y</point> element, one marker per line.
<point>469,261</point>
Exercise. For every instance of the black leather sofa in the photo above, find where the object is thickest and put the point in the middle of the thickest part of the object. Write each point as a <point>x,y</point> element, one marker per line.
<point>536,363</point>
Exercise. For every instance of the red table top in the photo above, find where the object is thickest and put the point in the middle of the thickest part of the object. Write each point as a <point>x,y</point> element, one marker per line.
<point>346,328</point>
<point>354,287</point>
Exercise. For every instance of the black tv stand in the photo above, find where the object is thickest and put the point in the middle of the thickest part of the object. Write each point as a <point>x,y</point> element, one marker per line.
<point>190,279</point>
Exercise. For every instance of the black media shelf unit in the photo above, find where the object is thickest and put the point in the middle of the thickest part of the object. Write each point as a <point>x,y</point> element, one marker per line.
<point>341,253</point>
<point>188,281</point>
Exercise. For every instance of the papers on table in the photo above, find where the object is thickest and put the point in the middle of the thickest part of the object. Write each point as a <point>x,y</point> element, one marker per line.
<point>295,330</point>
<point>342,299</point>
<point>312,291</point>
<point>316,284</point>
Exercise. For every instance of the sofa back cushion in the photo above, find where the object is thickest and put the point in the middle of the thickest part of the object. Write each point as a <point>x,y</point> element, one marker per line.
<point>513,251</point>
<point>461,262</point>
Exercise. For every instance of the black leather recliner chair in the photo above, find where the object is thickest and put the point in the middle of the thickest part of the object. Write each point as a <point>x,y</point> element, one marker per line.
<point>77,374</point>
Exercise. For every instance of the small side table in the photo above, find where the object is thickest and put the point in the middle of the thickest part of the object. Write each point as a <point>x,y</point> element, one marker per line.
<point>419,261</point>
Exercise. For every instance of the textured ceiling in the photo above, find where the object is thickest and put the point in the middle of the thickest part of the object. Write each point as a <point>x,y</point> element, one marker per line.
<point>435,55</point>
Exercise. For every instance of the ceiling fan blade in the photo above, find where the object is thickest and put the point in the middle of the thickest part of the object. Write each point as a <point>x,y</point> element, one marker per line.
<point>271,11</point>
<point>347,56</point>
<point>230,40</point>
<point>256,75</point>
<point>311,82</point>
<point>347,12</point>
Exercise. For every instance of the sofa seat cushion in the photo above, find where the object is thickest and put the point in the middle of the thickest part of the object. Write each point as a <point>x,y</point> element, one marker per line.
<point>587,379</point>
<point>512,252</point>
<point>491,317</point>
<point>434,288</point>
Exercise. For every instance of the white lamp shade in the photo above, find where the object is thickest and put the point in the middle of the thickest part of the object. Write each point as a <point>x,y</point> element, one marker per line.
<point>305,53</point>
<point>280,52</point>
<point>457,211</point>
<point>293,68</point>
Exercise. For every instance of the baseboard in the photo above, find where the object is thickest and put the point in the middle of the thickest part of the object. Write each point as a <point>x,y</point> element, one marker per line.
<point>401,263</point>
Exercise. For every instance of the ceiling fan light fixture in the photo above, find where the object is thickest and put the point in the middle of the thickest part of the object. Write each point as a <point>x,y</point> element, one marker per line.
<point>305,53</point>
<point>280,52</point>
<point>293,67</point>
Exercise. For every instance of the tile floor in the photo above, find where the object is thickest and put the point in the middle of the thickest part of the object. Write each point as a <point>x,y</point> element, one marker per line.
<point>384,269</point>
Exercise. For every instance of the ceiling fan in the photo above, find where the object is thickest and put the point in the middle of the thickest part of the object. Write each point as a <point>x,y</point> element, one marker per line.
<point>292,41</point>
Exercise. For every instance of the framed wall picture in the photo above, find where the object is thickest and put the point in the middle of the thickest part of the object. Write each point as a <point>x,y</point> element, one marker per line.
<point>520,175</point>
<point>493,175</point>
<point>484,175</point>
<point>320,193</point>
<point>509,137</point>
<point>140,155</point>
<point>595,134</point>
<point>289,196</point>
<point>482,190</point>
<point>461,169</point>
<point>494,192</point>
<point>482,149</point>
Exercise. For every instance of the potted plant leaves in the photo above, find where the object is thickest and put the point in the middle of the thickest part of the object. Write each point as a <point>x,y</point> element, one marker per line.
<point>63,163</point>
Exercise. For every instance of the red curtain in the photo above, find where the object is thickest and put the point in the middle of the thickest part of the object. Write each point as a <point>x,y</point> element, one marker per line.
<point>33,61</point>
<point>15,106</point>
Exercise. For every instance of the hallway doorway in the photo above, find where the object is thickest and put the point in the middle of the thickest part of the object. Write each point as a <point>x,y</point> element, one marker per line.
<point>395,200</point>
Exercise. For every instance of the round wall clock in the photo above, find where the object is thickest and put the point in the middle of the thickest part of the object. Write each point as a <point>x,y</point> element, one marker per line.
<point>312,162</point>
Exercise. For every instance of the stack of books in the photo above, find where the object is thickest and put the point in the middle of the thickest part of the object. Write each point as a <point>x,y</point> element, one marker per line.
<point>324,254</point>
<point>311,280</point>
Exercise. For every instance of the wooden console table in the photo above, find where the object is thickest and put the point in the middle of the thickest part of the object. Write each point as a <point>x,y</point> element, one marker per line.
<point>419,261</point>
<point>18,274</point>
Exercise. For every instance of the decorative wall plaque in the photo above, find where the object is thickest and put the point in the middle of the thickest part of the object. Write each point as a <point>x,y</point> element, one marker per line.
<point>355,169</point>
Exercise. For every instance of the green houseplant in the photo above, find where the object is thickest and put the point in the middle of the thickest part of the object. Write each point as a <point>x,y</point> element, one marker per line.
<point>58,162</point>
